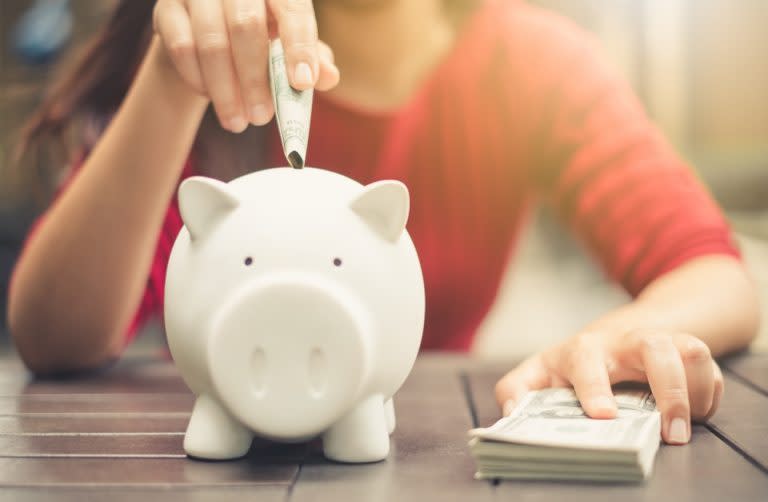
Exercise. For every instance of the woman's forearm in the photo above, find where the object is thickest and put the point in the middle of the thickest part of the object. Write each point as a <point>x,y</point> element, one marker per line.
<point>711,297</point>
<point>667,337</point>
<point>84,271</point>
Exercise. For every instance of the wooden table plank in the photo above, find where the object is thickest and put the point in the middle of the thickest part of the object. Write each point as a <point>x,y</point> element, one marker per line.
<point>122,412</point>
<point>752,368</point>
<point>91,445</point>
<point>94,403</point>
<point>68,424</point>
<point>122,428</point>
<point>16,384</point>
<point>429,457</point>
<point>140,376</point>
<point>743,420</point>
<point>705,470</point>
<point>130,472</point>
<point>172,493</point>
<point>13,385</point>
<point>127,445</point>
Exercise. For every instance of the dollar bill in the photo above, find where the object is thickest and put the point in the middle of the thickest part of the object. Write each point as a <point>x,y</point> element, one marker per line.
<point>293,109</point>
<point>548,436</point>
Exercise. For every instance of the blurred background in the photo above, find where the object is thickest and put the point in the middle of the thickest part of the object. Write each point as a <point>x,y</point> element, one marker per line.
<point>700,67</point>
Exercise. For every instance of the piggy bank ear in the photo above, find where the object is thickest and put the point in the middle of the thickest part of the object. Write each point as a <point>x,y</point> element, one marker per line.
<point>384,205</point>
<point>203,202</point>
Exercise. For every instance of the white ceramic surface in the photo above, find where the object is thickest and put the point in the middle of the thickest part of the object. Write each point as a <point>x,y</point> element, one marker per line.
<point>294,307</point>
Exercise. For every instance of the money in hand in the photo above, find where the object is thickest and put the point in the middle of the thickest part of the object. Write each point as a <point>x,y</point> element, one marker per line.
<point>293,109</point>
<point>548,436</point>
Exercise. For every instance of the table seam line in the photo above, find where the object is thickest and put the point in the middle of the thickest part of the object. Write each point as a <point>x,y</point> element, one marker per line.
<point>757,388</point>
<point>142,486</point>
<point>294,481</point>
<point>735,447</point>
<point>90,434</point>
<point>466,387</point>
<point>468,398</point>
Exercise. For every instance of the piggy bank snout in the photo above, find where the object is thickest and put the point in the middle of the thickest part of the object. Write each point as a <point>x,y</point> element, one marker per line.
<point>289,354</point>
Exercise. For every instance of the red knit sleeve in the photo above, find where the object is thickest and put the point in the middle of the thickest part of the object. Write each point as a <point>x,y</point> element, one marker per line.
<point>609,172</point>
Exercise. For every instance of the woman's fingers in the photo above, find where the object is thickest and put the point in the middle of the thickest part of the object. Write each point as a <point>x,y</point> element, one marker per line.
<point>172,25</point>
<point>660,359</point>
<point>221,48</point>
<point>684,379</point>
<point>719,388</point>
<point>298,32</point>
<point>699,374</point>
<point>329,73</point>
<point>586,369</point>
<point>216,64</point>
<point>528,375</point>
<point>247,26</point>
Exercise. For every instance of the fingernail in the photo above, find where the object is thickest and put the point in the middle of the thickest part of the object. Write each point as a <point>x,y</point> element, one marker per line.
<point>604,403</point>
<point>302,75</point>
<point>509,405</point>
<point>237,124</point>
<point>678,431</point>
<point>259,114</point>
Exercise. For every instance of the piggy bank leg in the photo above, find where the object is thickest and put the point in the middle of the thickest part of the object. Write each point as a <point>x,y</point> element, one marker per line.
<point>361,435</point>
<point>389,415</point>
<point>213,433</point>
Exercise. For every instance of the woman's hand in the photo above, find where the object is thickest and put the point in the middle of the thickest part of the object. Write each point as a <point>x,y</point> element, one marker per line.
<point>221,48</point>
<point>684,379</point>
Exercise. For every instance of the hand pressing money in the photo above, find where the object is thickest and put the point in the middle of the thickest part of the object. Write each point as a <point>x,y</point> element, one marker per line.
<point>548,436</point>
<point>293,109</point>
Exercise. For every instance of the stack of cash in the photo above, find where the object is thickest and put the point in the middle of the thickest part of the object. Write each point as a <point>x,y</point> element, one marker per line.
<point>548,436</point>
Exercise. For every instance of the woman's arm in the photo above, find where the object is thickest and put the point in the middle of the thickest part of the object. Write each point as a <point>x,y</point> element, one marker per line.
<point>711,297</point>
<point>641,210</point>
<point>666,337</point>
<point>83,272</point>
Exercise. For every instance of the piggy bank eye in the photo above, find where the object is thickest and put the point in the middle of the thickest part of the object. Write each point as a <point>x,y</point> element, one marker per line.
<point>248,261</point>
<point>337,262</point>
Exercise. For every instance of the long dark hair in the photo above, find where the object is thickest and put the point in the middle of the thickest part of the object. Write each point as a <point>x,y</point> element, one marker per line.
<point>89,89</point>
<point>90,86</point>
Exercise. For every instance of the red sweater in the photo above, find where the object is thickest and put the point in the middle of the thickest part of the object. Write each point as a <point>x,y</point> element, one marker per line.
<point>522,108</point>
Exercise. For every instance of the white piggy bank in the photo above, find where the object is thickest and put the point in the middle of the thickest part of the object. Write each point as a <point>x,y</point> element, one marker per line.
<point>294,307</point>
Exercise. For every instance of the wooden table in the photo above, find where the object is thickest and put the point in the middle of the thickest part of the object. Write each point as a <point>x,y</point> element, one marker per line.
<point>118,436</point>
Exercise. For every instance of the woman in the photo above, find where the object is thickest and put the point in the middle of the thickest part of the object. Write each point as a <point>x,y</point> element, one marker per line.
<point>479,107</point>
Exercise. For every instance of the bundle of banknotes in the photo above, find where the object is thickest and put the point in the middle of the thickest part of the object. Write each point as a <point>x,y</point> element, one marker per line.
<point>548,436</point>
